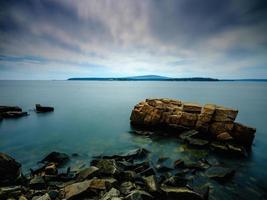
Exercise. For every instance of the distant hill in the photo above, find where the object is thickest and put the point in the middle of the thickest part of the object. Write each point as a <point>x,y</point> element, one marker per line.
<point>143,78</point>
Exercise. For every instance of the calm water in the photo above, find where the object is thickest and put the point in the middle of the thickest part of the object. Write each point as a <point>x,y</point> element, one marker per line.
<point>91,118</point>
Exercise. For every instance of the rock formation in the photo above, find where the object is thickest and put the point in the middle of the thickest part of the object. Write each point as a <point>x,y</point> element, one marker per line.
<point>212,121</point>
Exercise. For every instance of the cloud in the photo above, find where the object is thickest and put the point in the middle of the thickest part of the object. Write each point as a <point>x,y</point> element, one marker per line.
<point>64,38</point>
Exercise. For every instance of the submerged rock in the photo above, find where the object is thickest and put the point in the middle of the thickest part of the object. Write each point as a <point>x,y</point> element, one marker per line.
<point>9,108</point>
<point>14,114</point>
<point>41,109</point>
<point>57,158</point>
<point>220,173</point>
<point>180,193</point>
<point>10,169</point>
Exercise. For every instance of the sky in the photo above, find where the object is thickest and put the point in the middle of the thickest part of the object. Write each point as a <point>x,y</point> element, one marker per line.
<point>59,39</point>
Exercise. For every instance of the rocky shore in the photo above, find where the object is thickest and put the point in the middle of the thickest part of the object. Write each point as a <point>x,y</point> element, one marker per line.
<point>125,176</point>
<point>209,125</point>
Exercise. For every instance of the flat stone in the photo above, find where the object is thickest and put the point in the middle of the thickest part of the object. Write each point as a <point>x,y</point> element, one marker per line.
<point>113,192</point>
<point>180,193</point>
<point>188,134</point>
<point>225,136</point>
<point>151,183</point>
<point>220,173</point>
<point>138,195</point>
<point>87,173</point>
<point>192,107</point>
<point>223,114</point>
<point>197,142</point>
<point>76,189</point>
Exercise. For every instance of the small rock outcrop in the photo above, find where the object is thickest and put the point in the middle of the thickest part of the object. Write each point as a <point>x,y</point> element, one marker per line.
<point>9,170</point>
<point>212,121</point>
<point>43,109</point>
<point>11,112</point>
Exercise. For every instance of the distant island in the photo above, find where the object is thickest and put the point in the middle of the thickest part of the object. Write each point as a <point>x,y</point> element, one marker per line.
<point>143,78</point>
<point>158,78</point>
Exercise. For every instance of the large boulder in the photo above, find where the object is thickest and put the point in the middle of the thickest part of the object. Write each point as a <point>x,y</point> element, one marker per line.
<point>212,121</point>
<point>243,134</point>
<point>10,169</point>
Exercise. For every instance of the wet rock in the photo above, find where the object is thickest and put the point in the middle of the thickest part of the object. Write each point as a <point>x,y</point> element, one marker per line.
<point>236,150</point>
<point>111,194</point>
<point>108,167</point>
<point>102,184</point>
<point>178,163</point>
<point>10,169</point>
<point>41,109</point>
<point>138,195</point>
<point>127,187</point>
<point>162,159</point>
<point>217,128</point>
<point>243,134</point>
<point>188,134</point>
<point>192,107</point>
<point>180,193</point>
<point>44,197</point>
<point>13,114</point>
<point>57,158</point>
<point>176,181</point>
<point>51,169</point>
<point>9,108</point>
<point>147,172</point>
<point>38,183</point>
<point>220,173</point>
<point>76,189</point>
<point>53,194</point>
<point>151,183</point>
<point>127,175</point>
<point>87,173</point>
<point>223,114</point>
<point>219,147</point>
<point>197,142</point>
<point>143,133</point>
<point>162,168</point>
<point>225,136</point>
<point>10,192</point>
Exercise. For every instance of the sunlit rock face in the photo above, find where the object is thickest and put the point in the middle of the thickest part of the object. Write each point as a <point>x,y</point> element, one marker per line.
<point>214,121</point>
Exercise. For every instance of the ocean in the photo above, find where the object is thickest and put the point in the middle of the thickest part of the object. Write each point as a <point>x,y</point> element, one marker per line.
<point>92,118</point>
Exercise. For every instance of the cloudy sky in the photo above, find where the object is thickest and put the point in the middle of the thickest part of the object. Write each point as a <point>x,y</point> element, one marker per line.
<point>58,39</point>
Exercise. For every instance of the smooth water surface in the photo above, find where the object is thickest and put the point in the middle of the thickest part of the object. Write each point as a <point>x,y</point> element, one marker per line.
<point>92,117</point>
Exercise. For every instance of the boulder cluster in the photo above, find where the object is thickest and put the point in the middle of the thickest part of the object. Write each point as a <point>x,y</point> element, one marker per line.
<point>126,176</point>
<point>213,122</point>
<point>16,112</point>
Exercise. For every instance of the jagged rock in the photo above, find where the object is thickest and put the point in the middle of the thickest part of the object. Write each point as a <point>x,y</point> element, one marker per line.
<point>51,169</point>
<point>175,181</point>
<point>113,192</point>
<point>10,192</point>
<point>138,195</point>
<point>57,158</point>
<point>243,134</point>
<point>41,109</point>
<point>13,114</point>
<point>217,128</point>
<point>205,117</point>
<point>178,163</point>
<point>38,183</point>
<point>220,173</point>
<point>10,169</point>
<point>223,114</point>
<point>127,187</point>
<point>151,183</point>
<point>9,108</point>
<point>192,107</point>
<point>76,189</point>
<point>87,173</point>
<point>180,193</point>
<point>44,197</point>
<point>225,136</point>
<point>108,167</point>
<point>211,120</point>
